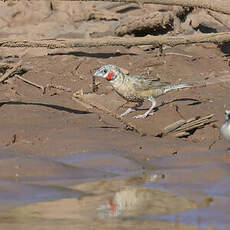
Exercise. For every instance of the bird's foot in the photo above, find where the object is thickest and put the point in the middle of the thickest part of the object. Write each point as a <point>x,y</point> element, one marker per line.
<point>129,110</point>
<point>143,115</point>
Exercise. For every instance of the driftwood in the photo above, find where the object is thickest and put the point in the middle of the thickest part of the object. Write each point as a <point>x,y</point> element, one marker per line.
<point>183,128</point>
<point>156,41</point>
<point>220,18</point>
<point>154,22</point>
<point>215,5</point>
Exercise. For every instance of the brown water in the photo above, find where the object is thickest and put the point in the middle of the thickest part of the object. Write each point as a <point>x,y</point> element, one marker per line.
<point>114,190</point>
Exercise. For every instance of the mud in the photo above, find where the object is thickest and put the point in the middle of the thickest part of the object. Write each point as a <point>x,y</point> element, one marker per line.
<point>68,161</point>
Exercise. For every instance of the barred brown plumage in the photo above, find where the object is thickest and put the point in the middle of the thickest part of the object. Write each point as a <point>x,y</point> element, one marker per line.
<point>136,88</point>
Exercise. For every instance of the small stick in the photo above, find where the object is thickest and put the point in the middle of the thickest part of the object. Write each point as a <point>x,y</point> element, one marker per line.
<point>30,82</point>
<point>10,72</point>
<point>179,54</point>
<point>78,66</point>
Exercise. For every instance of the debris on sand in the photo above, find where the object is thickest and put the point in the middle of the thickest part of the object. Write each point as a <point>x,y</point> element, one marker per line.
<point>184,128</point>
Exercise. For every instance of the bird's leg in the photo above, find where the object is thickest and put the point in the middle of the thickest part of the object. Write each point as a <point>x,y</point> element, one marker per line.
<point>129,110</point>
<point>149,110</point>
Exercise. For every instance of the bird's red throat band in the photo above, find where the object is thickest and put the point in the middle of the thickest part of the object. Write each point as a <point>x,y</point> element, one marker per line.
<point>109,76</point>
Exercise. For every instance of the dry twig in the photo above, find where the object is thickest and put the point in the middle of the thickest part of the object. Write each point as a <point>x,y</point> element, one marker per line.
<point>30,82</point>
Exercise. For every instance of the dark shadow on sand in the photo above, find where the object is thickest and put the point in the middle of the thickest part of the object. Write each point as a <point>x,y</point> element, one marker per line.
<point>57,107</point>
<point>93,55</point>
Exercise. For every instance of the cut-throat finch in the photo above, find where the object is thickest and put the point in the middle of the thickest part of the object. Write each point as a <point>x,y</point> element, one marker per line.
<point>136,88</point>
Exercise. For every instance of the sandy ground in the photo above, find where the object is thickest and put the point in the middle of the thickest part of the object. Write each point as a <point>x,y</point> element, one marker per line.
<point>115,172</point>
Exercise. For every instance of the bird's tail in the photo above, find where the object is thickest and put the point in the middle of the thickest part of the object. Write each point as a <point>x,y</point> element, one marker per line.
<point>179,86</point>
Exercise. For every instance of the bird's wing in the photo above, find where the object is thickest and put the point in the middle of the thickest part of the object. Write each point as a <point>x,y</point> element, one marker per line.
<point>141,83</point>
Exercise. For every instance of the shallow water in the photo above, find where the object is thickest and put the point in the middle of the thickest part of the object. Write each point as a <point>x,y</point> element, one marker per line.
<point>189,190</point>
<point>207,176</point>
<point>13,194</point>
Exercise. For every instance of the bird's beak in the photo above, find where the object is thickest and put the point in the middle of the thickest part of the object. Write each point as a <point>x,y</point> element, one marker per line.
<point>98,74</point>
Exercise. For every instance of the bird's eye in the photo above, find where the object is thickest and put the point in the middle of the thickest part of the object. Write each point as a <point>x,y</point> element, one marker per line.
<point>104,71</point>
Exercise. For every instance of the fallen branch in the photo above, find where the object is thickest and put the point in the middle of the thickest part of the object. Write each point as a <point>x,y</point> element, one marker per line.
<point>218,6</point>
<point>156,41</point>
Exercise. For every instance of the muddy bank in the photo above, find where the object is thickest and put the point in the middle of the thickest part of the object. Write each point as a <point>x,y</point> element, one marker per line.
<point>68,161</point>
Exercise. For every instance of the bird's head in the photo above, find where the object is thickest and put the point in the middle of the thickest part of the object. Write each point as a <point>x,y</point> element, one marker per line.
<point>227,114</point>
<point>109,72</point>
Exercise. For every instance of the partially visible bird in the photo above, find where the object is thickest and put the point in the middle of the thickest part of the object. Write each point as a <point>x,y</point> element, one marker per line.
<point>225,128</point>
<point>136,88</point>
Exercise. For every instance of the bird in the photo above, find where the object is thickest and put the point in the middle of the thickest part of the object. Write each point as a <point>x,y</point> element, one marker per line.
<point>136,88</point>
<point>225,128</point>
